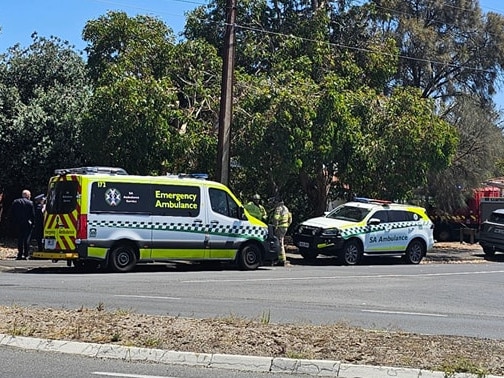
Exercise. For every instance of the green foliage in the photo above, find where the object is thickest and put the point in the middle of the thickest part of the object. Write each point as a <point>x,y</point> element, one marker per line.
<point>154,104</point>
<point>462,365</point>
<point>401,141</point>
<point>43,94</point>
<point>447,50</point>
<point>118,45</point>
<point>273,129</point>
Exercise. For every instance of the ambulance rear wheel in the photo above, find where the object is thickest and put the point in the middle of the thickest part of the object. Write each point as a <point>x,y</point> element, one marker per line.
<point>122,259</point>
<point>249,257</point>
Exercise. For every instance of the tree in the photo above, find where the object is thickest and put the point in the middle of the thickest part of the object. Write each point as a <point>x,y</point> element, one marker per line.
<point>479,153</point>
<point>452,53</point>
<point>402,140</point>
<point>43,95</point>
<point>153,101</point>
<point>305,105</point>
<point>446,49</point>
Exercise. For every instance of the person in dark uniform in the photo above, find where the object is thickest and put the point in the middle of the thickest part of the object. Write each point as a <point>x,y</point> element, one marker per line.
<point>38,230</point>
<point>23,218</point>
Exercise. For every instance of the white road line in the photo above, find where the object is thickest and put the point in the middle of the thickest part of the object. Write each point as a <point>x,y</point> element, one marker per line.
<point>345,277</point>
<point>147,297</point>
<point>111,374</point>
<point>406,313</point>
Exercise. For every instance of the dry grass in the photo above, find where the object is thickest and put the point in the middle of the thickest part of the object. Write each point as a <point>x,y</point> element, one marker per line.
<point>233,335</point>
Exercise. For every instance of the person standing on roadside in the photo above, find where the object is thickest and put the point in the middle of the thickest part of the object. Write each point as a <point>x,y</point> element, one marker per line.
<point>282,218</point>
<point>23,218</point>
<point>38,230</point>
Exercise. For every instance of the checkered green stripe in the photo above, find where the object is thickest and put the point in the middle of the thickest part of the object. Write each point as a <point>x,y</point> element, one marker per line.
<point>352,231</point>
<point>224,230</point>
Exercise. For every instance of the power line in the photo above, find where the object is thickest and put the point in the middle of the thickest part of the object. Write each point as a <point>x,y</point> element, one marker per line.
<point>363,49</point>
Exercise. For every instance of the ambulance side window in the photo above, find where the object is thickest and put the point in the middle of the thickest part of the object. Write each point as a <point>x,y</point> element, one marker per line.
<point>401,216</point>
<point>222,203</point>
<point>382,215</point>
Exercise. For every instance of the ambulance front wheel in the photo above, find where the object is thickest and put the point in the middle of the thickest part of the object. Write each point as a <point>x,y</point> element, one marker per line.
<point>249,257</point>
<point>122,259</point>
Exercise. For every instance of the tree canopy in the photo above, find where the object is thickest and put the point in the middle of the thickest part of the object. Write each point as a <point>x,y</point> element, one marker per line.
<point>44,92</point>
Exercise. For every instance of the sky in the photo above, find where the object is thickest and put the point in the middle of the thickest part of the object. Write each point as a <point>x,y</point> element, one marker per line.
<point>66,18</point>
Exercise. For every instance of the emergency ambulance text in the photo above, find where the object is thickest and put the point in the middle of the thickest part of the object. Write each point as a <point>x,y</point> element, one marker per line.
<point>176,200</point>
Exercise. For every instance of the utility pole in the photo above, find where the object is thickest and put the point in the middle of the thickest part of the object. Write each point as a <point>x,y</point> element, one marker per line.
<point>226,100</point>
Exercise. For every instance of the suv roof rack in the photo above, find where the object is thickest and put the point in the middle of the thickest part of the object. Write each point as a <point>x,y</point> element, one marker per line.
<point>372,200</point>
<point>91,171</point>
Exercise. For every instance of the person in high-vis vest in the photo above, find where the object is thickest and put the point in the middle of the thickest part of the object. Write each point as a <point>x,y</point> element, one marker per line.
<point>256,209</point>
<point>282,218</point>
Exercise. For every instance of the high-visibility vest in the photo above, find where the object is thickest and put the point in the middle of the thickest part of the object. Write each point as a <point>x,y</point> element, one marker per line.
<point>282,217</point>
<point>258,212</point>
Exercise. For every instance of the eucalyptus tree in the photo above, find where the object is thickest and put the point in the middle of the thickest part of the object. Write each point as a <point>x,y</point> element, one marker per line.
<point>446,48</point>
<point>44,93</point>
<point>453,53</point>
<point>478,157</point>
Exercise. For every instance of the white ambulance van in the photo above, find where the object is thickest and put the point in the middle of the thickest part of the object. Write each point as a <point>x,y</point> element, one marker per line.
<point>103,216</point>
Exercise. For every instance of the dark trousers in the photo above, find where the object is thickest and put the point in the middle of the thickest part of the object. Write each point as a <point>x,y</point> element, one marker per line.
<point>24,238</point>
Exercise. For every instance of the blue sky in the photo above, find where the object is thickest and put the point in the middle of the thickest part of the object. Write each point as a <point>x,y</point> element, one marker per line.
<point>66,18</point>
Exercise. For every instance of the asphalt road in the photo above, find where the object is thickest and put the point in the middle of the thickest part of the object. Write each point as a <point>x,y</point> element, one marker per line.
<point>433,298</point>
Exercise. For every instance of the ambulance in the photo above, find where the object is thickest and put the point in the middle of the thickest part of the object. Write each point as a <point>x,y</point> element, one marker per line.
<point>102,216</point>
<point>367,227</point>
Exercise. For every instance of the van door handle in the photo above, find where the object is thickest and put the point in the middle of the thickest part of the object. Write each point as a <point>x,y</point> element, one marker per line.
<point>214,222</point>
<point>197,221</point>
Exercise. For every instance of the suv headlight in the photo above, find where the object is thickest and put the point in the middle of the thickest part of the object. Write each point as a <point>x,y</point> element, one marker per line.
<point>331,232</point>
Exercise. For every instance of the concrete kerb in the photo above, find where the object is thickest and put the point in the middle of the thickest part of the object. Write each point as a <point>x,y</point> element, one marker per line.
<point>322,368</point>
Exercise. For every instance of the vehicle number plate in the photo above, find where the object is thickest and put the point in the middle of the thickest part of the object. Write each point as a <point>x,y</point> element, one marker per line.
<point>304,245</point>
<point>50,243</point>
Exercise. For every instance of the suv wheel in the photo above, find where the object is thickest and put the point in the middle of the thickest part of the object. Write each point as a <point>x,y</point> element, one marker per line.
<point>351,254</point>
<point>415,252</point>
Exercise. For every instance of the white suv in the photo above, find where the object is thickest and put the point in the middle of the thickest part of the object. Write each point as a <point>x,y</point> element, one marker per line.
<point>367,227</point>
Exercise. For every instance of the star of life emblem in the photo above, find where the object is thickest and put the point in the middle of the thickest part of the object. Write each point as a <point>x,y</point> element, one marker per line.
<point>113,197</point>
